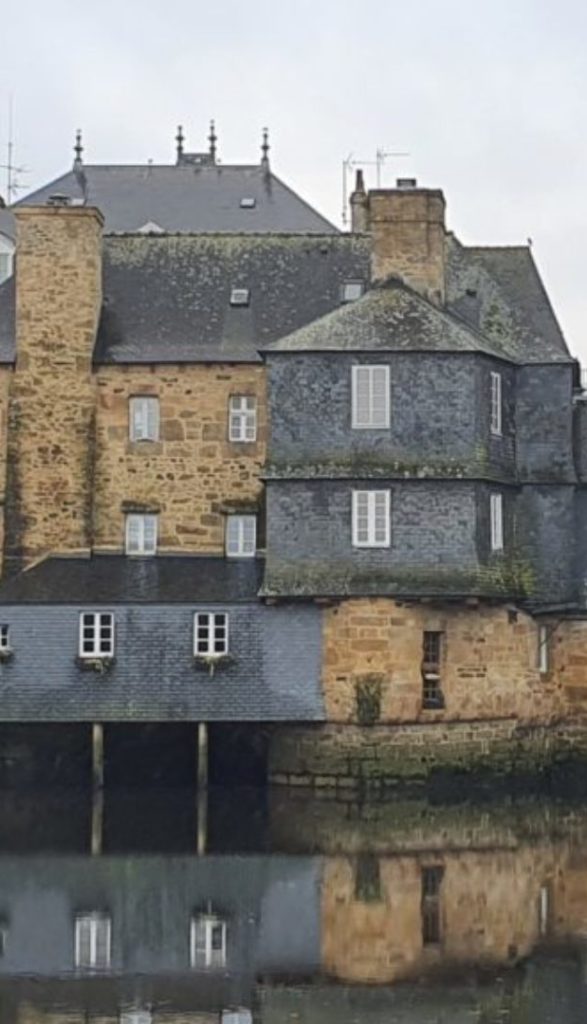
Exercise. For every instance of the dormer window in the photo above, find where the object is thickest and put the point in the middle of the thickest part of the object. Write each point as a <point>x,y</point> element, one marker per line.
<point>248,203</point>
<point>240,297</point>
<point>351,291</point>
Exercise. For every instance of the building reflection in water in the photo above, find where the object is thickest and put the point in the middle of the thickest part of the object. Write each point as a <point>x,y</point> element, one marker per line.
<point>323,912</point>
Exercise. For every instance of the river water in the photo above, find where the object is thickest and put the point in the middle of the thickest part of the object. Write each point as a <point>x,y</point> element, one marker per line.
<point>149,906</point>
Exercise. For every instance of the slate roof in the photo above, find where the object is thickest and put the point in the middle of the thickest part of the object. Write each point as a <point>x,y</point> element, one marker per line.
<point>7,320</point>
<point>7,225</point>
<point>116,579</point>
<point>190,198</point>
<point>167,298</point>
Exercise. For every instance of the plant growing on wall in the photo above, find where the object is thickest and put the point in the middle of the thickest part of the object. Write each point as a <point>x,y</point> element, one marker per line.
<point>368,690</point>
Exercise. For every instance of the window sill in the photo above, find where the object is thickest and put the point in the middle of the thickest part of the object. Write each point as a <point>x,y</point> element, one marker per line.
<point>97,664</point>
<point>211,663</point>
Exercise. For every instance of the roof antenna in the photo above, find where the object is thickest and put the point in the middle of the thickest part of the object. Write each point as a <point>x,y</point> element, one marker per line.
<point>212,139</point>
<point>265,147</point>
<point>179,138</point>
<point>78,149</point>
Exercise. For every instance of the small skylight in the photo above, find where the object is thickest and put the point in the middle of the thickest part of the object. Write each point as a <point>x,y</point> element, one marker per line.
<point>248,203</point>
<point>351,291</point>
<point>239,297</point>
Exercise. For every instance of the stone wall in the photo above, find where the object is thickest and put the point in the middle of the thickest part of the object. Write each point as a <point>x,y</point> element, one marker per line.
<point>194,475</point>
<point>51,399</point>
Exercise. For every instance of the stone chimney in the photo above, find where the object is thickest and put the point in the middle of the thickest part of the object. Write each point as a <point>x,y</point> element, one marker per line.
<point>359,206</point>
<point>407,226</point>
<point>51,399</point>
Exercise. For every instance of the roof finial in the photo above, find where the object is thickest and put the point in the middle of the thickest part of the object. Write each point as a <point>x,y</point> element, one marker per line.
<point>213,139</point>
<point>78,149</point>
<point>179,140</point>
<point>265,147</point>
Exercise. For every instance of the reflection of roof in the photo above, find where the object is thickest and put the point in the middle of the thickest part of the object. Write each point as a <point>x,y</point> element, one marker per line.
<point>190,198</point>
<point>116,579</point>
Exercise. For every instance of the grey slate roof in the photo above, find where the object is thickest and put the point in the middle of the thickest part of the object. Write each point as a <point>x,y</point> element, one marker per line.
<point>167,298</point>
<point>190,198</point>
<point>116,579</point>
<point>7,225</point>
<point>390,317</point>
<point>7,320</point>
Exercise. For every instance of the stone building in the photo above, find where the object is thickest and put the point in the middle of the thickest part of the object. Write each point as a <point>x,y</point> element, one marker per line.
<point>259,470</point>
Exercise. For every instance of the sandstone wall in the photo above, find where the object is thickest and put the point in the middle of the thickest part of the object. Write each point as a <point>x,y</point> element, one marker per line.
<point>194,474</point>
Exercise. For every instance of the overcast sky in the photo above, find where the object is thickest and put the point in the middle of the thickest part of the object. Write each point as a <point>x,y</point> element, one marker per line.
<point>489,99</point>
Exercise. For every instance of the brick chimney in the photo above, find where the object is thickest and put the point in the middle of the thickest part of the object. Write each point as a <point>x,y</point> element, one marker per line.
<point>407,226</point>
<point>51,398</point>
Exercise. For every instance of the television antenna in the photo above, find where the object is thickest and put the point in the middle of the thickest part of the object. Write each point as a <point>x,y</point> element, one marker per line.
<point>348,165</point>
<point>13,185</point>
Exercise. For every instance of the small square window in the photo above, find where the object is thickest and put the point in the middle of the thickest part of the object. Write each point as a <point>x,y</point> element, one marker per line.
<point>242,419</point>
<point>351,291</point>
<point>144,418</point>
<point>240,297</point>
<point>248,203</point>
<point>208,942</point>
<point>241,533</point>
<point>210,634</point>
<point>93,941</point>
<point>141,534</point>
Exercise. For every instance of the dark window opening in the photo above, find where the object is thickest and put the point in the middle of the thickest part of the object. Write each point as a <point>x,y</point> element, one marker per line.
<point>432,649</point>
<point>430,908</point>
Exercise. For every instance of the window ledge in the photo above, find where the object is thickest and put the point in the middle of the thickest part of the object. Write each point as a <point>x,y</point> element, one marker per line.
<point>97,664</point>
<point>212,662</point>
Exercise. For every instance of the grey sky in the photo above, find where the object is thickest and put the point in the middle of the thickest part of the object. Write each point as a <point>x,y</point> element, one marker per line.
<point>489,99</point>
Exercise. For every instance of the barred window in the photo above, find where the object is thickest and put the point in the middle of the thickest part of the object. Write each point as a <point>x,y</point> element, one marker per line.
<point>96,635</point>
<point>211,633</point>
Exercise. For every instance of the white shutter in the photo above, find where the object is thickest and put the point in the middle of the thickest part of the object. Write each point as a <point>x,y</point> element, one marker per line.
<point>380,396</point>
<point>83,942</point>
<point>370,397</point>
<point>381,518</point>
<point>496,403</point>
<point>133,535</point>
<point>149,534</point>
<point>496,510</point>
<point>102,942</point>
<point>361,396</point>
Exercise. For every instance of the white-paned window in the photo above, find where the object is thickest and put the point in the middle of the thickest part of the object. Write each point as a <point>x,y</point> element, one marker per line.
<point>4,638</point>
<point>351,291</point>
<point>543,649</point>
<point>93,941</point>
<point>241,536</point>
<point>370,387</point>
<point>496,515</point>
<point>371,519</point>
<point>211,633</point>
<point>208,941</point>
<point>496,409</point>
<point>96,635</point>
<point>144,419</point>
<point>141,534</point>
<point>242,418</point>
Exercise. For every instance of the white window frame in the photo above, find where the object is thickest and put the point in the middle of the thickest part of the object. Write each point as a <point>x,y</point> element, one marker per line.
<point>205,956</point>
<point>365,381</point>
<point>147,524</point>
<point>366,508</point>
<point>210,650</point>
<point>143,418</point>
<point>93,921</point>
<point>4,637</point>
<point>496,404</point>
<point>241,536</point>
<point>96,621</point>
<point>543,649</point>
<point>240,296</point>
<point>496,521</point>
<point>352,290</point>
<point>242,419</point>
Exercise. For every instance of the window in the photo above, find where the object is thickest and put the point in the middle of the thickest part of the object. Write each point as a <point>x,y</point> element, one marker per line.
<point>4,638</point>
<point>496,403</point>
<point>92,941</point>
<point>144,419</point>
<point>370,387</point>
<point>543,649</point>
<point>544,915</point>
<point>96,635</point>
<point>136,1017</point>
<point>368,878</point>
<point>432,696</point>
<point>248,203</point>
<point>141,534</point>
<point>239,297</point>
<point>496,514</point>
<point>211,633</point>
<point>430,906</point>
<point>371,519</point>
<point>242,418</point>
<point>241,533</point>
<point>208,941</point>
<point>351,291</point>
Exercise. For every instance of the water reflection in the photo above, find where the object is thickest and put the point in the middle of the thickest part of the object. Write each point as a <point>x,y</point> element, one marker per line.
<point>300,911</point>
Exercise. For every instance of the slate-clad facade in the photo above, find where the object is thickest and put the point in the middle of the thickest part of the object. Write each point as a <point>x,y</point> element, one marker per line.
<point>415,441</point>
